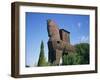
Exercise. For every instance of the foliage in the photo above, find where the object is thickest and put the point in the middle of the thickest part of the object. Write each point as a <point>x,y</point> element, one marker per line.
<point>71,59</point>
<point>83,51</point>
<point>80,56</point>
<point>42,59</point>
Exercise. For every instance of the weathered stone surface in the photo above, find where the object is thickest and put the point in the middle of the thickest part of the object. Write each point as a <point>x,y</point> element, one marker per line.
<point>59,42</point>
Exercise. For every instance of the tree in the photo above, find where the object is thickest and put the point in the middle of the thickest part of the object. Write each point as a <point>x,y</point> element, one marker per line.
<point>71,59</point>
<point>80,56</point>
<point>82,50</point>
<point>66,59</point>
<point>42,59</point>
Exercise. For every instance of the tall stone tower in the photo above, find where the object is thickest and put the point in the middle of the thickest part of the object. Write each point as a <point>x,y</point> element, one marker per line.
<point>59,42</point>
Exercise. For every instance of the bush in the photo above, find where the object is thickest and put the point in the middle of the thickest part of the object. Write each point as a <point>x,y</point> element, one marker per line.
<point>81,55</point>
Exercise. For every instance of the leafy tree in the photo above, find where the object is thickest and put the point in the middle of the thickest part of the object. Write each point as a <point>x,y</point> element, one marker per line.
<point>71,59</point>
<point>66,59</point>
<point>80,56</point>
<point>82,50</point>
<point>42,59</point>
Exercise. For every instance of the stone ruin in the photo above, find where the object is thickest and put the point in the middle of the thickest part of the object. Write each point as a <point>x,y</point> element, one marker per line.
<point>58,43</point>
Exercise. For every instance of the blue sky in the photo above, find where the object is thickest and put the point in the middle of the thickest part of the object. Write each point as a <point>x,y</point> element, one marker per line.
<point>36,31</point>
